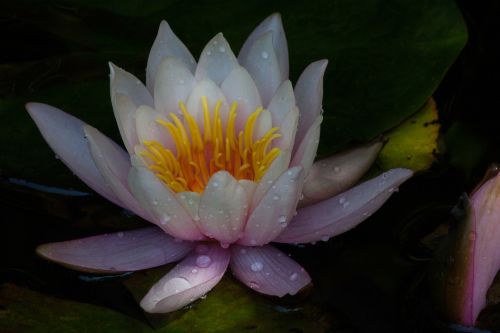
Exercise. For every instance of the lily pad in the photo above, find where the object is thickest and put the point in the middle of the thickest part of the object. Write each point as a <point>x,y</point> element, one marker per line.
<point>231,307</point>
<point>23,310</point>
<point>413,144</point>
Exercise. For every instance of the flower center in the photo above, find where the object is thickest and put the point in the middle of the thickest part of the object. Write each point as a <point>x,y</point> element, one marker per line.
<point>204,151</point>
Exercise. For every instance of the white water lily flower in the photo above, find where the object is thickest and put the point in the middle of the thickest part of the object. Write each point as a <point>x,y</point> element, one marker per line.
<point>218,157</point>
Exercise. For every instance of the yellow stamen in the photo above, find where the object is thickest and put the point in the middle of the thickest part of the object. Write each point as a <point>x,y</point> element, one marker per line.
<point>202,151</point>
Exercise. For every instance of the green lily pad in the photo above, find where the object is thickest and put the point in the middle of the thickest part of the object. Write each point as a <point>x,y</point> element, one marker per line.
<point>23,310</point>
<point>230,307</point>
<point>412,144</point>
<point>386,59</point>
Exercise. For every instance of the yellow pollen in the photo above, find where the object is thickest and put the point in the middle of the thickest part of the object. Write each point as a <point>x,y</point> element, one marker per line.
<point>203,151</point>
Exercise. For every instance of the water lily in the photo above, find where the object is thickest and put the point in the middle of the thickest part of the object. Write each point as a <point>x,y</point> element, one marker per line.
<point>468,262</point>
<point>218,155</point>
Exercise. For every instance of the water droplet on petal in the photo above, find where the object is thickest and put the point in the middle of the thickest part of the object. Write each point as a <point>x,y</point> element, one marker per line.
<point>253,285</point>
<point>276,197</point>
<point>176,285</point>
<point>243,251</point>
<point>282,219</point>
<point>256,266</point>
<point>264,55</point>
<point>209,53</point>
<point>215,184</point>
<point>203,261</point>
<point>120,234</point>
<point>165,219</point>
<point>336,169</point>
<point>345,204</point>
<point>194,271</point>
<point>224,245</point>
<point>294,276</point>
<point>222,49</point>
<point>325,238</point>
<point>342,200</point>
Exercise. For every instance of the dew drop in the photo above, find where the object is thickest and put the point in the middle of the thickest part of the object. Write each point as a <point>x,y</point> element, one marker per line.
<point>209,53</point>
<point>224,245</point>
<point>215,184</point>
<point>181,81</point>
<point>243,251</point>
<point>165,219</point>
<point>222,49</point>
<point>325,238</point>
<point>264,55</point>
<point>276,197</point>
<point>176,285</point>
<point>194,271</point>
<point>256,266</point>
<point>342,200</point>
<point>294,276</point>
<point>336,169</point>
<point>57,157</point>
<point>253,285</point>
<point>282,219</point>
<point>203,261</point>
<point>345,204</point>
<point>120,234</point>
<point>155,202</point>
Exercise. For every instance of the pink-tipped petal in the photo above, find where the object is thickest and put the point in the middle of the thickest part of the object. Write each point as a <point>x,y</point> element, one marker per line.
<point>148,128</point>
<point>343,212</point>
<point>267,270</point>
<point>64,134</point>
<point>114,165</point>
<point>192,278</point>
<point>117,252</point>
<point>306,151</point>
<point>124,110</point>
<point>275,210</point>
<point>162,204</point>
<point>207,89</point>
<point>262,64</point>
<point>217,60</point>
<point>166,44</point>
<point>223,208</point>
<point>309,95</point>
<point>174,82</point>
<point>339,172</point>
<point>239,87</point>
<point>274,25</point>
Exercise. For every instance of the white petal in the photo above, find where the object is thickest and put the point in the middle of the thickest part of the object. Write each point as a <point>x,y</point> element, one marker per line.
<point>208,89</point>
<point>174,82</point>
<point>166,44</point>
<point>114,165</point>
<point>275,210</point>
<point>282,102</point>
<point>279,165</point>
<point>274,25</point>
<point>191,202</point>
<point>309,95</point>
<point>262,64</point>
<point>217,60</point>
<point>239,87</point>
<point>161,203</point>
<point>306,151</point>
<point>192,278</point>
<point>123,82</point>
<point>148,129</point>
<point>223,208</point>
<point>124,109</point>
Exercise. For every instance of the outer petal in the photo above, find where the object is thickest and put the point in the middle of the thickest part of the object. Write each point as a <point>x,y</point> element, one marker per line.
<point>309,95</point>
<point>217,60</point>
<point>344,211</point>
<point>114,165</point>
<point>189,280</point>
<point>166,44</point>
<point>338,172</point>
<point>223,208</point>
<point>271,216</point>
<point>268,270</point>
<point>124,110</point>
<point>161,203</point>
<point>262,64</point>
<point>174,82</point>
<point>117,252</point>
<point>64,134</point>
<point>239,87</point>
<point>274,25</point>
<point>127,93</point>
<point>306,151</point>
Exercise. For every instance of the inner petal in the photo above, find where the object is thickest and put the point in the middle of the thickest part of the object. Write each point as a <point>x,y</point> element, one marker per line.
<point>210,145</point>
